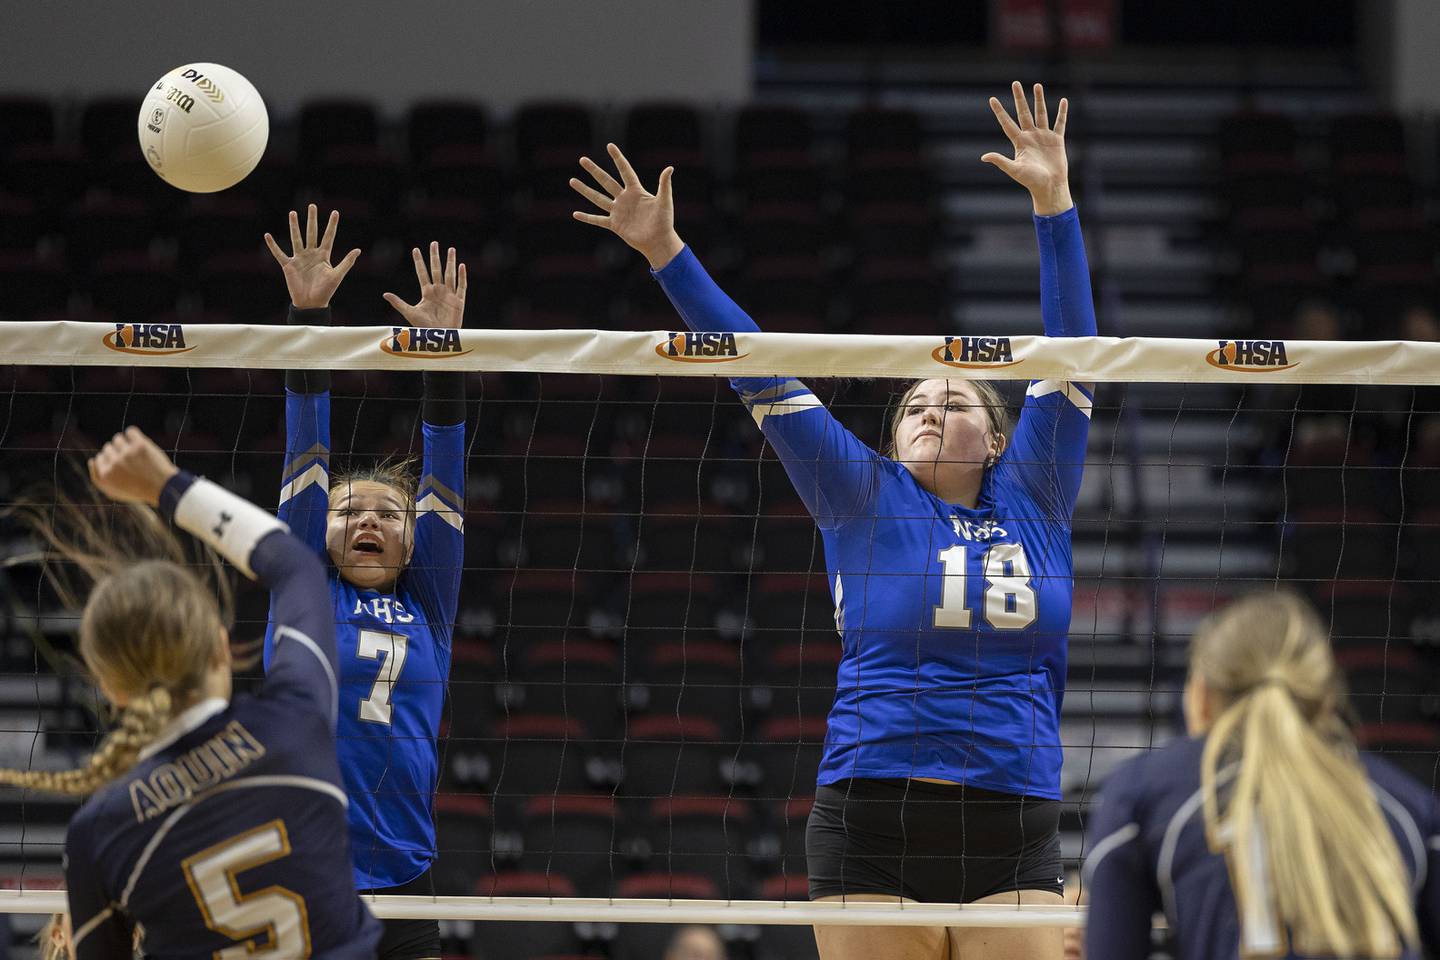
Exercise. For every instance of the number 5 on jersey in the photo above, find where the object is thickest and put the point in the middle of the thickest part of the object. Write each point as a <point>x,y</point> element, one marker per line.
<point>1009,595</point>
<point>389,649</point>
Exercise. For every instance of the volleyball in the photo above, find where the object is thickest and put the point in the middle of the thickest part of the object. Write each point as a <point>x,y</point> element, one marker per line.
<point>203,127</point>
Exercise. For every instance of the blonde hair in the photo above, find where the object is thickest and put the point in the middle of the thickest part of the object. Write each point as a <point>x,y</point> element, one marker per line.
<point>997,414</point>
<point>1336,879</point>
<point>397,473</point>
<point>150,625</point>
<point>51,942</point>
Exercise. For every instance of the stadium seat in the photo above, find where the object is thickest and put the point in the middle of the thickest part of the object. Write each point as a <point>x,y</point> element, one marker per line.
<point>707,836</point>
<point>787,750</point>
<point>661,606</point>
<point>464,171</point>
<point>1413,747</point>
<point>665,133</point>
<point>576,836</point>
<point>667,756</point>
<point>32,285</point>
<point>330,123</point>
<point>786,941</point>
<point>552,134</point>
<point>772,136</point>
<point>678,536</point>
<point>575,678</point>
<point>883,138</point>
<point>106,125</point>
<point>102,225</point>
<point>799,677</point>
<point>26,121</point>
<point>690,676</point>
<point>523,939</point>
<point>226,224</point>
<point>462,836</point>
<point>647,941</point>
<point>133,287</point>
<point>431,125</point>
<point>1387,683</point>
<point>537,755</point>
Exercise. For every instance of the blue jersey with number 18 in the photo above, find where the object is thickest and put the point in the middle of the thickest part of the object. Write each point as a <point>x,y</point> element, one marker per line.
<point>394,646</point>
<point>953,620</point>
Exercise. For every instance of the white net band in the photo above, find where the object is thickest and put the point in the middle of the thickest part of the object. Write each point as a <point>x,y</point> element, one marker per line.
<point>676,353</point>
<point>603,910</point>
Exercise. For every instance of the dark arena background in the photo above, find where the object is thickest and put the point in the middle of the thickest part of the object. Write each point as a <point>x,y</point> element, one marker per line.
<point>645,653</point>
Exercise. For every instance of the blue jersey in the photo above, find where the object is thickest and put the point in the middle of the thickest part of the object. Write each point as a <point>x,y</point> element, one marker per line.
<point>394,646</point>
<point>228,836</point>
<point>954,620</point>
<point>1149,854</point>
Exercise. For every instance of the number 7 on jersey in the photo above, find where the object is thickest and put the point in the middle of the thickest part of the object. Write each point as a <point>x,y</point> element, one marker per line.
<point>390,650</point>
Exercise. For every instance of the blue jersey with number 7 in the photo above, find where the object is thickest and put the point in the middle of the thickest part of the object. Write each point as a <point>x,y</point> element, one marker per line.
<point>393,646</point>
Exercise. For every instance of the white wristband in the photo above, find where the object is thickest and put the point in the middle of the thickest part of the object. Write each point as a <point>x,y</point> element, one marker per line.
<point>227,522</point>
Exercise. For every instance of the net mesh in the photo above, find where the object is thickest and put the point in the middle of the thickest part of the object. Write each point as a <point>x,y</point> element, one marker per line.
<point>645,651</point>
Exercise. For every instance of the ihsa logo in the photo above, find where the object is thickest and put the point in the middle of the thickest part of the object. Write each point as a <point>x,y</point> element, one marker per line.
<point>692,347</point>
<point>1250,356</point>
<point>147,338</point>
<point>975,352</point>
<point>423,342</point>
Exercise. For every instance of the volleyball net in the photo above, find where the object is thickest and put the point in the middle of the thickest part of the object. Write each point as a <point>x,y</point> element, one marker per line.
<point>645,651</point>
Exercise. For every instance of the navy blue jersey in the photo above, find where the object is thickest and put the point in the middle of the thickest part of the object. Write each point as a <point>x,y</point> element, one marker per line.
<point>1149,854</point>
<point>229,837</point>
<point>954,620</point>
<point>394,646</point>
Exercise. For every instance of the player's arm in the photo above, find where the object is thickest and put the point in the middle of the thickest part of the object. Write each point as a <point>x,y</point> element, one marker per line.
<point>1427,904</point>
<point>1048,449</point>
<point>434,570</point>
<point>835,474</point>
<point>311,281</point>
<point>98,931</point>
<point>1117,878</point>
<point>131,468</point>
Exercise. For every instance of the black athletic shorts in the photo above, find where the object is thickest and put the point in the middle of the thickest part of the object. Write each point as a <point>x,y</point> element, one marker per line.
<point>409,939</point>
<point>930,842</point>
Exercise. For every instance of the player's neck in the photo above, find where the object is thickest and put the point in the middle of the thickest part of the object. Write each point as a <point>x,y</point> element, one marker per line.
<point>960,487</point>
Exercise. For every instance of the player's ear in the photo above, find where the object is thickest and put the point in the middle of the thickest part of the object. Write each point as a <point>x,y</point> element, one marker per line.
<point>998,443</point>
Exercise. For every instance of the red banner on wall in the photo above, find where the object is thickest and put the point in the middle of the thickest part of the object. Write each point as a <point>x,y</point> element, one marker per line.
<point>1025,24</point>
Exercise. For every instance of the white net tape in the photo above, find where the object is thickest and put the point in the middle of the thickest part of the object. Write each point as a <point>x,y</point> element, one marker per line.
<point>672,353</point>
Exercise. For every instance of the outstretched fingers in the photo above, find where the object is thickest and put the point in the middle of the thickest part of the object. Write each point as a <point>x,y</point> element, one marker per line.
<point>1007,125</point>
<point>327,242</point>
<point>1022,108</point>
<point>421,273</point>
<point>296,243</point>
<point>275,250</point>
<point>663,190</point>
<point>437,275</point>
<point>464,281</point>
<point>607,183</point>
<point>312,232</point>
<point>1061,115</point>
<point>1042,116</point>
<point>590,193</point>
<point>343,267</point>
<point>627,172</point>
<point>451,276</point>
<point>593,219</point>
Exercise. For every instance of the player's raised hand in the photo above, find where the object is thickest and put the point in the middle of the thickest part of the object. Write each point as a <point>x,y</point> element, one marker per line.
<point>442,292</point>
<point>1039,164</point>
<point>130,468</point>
<point>309,276</point>
<point>644,220</point>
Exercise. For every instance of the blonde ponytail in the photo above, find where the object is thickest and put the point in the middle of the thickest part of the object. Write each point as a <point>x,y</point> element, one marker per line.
<point>151,626</point>
<point>139,724</point>
<point>1300,809</point>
